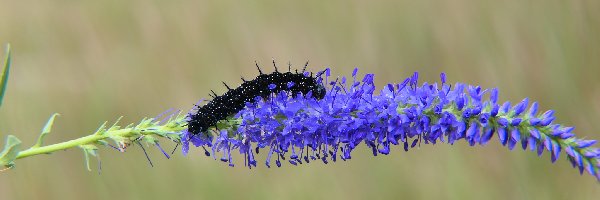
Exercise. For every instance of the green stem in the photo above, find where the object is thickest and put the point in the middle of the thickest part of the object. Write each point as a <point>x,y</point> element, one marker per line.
<point>124,135</point>
<point>61,146</point>
<point>148,131</point>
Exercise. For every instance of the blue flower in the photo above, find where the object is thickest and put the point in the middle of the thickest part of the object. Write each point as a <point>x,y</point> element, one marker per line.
<point>301,129</point>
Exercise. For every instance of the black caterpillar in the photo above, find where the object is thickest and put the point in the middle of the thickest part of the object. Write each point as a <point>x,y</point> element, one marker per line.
<point>234,100</point>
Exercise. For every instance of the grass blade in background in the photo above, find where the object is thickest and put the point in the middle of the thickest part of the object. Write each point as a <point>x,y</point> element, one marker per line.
<point>4,76</point>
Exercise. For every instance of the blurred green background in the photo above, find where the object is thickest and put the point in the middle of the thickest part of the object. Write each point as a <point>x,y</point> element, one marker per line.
<point>96,60</point>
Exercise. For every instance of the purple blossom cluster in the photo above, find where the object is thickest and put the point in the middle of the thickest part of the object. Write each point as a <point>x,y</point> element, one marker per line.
<point>302,129</point>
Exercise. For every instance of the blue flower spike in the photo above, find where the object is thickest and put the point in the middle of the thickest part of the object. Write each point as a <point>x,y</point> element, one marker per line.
<point>302,129</point>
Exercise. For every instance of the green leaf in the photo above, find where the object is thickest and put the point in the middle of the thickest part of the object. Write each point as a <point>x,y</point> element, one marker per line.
<point>101,129</point>
<point>89,150</point>
<point>114,126</point>
<point>150,140</point>
<point>4,75</point>
<point>47,128</point>
<point>10,152</point>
